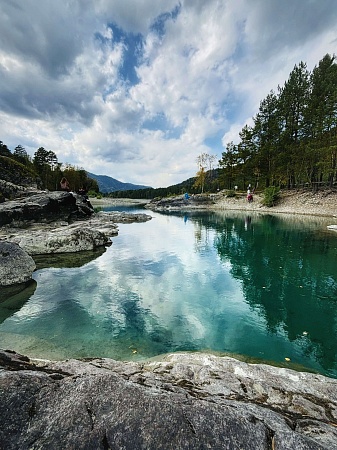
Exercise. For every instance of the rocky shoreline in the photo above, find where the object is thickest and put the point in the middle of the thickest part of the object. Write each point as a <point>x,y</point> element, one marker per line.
<point>49,223</point>
<point>181,401</point>
<point>303,202</point>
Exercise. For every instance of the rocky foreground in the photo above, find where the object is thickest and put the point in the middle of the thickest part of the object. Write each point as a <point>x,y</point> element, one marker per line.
<point>184,401</point>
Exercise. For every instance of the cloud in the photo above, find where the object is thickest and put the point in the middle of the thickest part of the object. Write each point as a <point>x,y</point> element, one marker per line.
<point>136,90</point>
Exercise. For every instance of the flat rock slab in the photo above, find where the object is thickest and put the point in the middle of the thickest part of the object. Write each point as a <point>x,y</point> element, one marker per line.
<point>179,202</point>
<point>184,401</point>
<point>89,234</point>
<point>67,239</point>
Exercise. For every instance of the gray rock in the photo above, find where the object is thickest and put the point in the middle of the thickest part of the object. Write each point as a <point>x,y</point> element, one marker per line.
<point>44,207</point>
<point>185,401</point>
<point>78,236</point>
<point>16,266</point>
<point>122,217</point>
<point>10,190</point>
<point>62,240</point>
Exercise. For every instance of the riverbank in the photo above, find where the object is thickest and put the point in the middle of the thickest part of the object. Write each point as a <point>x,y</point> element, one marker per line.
<point>303,202</point>
<point>190,400</point>
<point>321,203</point>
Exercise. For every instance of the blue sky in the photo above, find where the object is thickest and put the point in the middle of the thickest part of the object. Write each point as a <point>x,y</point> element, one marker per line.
<point>137,89</point>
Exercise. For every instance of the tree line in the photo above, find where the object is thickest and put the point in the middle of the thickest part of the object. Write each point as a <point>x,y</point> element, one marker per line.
<point>45,168</point>
<point>292,142</point>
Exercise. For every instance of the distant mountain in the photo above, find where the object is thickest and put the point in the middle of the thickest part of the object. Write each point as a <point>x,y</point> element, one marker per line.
<point>108,184</point>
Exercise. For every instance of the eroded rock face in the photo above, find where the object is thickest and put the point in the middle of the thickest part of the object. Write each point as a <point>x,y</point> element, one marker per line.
<point>66,239</point>
<point>16,266</point>
<point>44,207</point>
<point>184,401</point>
<point>78,236</point>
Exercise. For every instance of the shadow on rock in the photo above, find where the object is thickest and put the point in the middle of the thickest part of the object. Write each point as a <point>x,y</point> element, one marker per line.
<point>12,298</point>
<point>67,260</point>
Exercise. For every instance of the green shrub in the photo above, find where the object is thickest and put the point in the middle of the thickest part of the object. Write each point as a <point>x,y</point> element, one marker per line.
<point>231,193</point>
<point>270,196</point>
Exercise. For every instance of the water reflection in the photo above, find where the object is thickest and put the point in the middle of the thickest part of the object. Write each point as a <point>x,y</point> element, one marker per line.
<point>289,276</point>
<point>259,286</point>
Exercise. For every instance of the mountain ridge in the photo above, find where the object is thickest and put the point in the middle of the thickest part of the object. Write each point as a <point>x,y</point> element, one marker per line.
<point>108,184</point>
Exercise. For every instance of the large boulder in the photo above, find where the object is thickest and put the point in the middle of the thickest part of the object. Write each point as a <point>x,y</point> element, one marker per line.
<point>61,237</point>
<point>44,207</point>
<point>16,266</point>
<point>65,239</point>
<point>184,401</point>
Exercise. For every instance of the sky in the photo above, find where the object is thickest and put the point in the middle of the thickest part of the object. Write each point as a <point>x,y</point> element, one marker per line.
<point>138,89</point>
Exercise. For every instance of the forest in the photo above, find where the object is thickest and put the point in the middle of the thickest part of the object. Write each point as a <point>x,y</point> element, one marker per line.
<point>43,169</point>
<point>292,142</point>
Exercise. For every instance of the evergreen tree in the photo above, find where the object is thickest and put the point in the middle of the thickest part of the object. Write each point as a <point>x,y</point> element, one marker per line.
<point>246,158</point>
<point>4,150</point>
<point>20,154</point>
<point>229,162</point>
<point>293,102</point>
<point>46,165</point>
<point>266,136</point>
<point>321,121</point>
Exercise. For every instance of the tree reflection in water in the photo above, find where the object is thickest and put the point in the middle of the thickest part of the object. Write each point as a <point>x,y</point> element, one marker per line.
<point>289,273</point>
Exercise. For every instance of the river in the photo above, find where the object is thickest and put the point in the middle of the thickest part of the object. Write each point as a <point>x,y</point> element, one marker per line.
<point>258,287</point>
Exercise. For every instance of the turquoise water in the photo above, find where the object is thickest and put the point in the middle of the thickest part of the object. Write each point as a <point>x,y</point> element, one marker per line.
<point>261,287</point>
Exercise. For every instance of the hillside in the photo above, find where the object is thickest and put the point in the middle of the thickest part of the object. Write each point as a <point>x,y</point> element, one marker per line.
<point>14,172</point>
<point>108,184</point>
